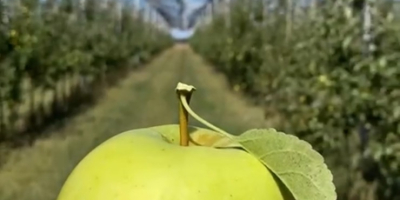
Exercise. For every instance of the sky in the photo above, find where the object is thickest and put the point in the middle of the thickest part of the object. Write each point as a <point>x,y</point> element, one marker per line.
<point>171,8</point>
<point>173,12</point>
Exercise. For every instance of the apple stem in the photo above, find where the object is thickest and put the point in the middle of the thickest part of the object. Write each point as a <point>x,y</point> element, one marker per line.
<point>183,122</point>
<point>184,92</point>
<point>185,104</point>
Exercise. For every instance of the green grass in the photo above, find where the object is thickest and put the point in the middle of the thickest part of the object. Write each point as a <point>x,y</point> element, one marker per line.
<point>145,98</point>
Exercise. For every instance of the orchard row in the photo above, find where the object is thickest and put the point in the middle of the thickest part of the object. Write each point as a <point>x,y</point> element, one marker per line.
<point>56,55</point>
<point>325,79</point>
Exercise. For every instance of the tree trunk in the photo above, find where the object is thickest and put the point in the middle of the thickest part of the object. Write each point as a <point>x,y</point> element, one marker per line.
<point>32,107</point>
<point>42,107</point>
<point>55,108</point>
<point>65,95</point>
<point>2,118</point>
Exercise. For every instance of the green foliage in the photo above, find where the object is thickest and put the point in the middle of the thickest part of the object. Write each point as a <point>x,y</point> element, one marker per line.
<point>302,170</point>
<point>51,42</point>
<point>311,69</point>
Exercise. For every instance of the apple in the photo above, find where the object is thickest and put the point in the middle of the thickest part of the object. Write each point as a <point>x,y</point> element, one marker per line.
<point>149,164</point>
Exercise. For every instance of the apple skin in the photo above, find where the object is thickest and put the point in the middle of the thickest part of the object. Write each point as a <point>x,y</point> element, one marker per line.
<point>146,164</point>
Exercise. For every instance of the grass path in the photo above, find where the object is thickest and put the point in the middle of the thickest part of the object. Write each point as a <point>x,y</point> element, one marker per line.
<point>144,98</point>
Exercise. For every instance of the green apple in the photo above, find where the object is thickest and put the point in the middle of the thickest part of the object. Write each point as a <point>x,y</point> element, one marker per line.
<point>149,164</point>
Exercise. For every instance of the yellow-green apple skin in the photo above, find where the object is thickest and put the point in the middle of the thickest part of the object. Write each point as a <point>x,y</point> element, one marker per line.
<point>136,166</point>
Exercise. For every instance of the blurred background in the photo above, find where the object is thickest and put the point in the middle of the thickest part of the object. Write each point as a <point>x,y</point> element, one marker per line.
<point>73,73</point>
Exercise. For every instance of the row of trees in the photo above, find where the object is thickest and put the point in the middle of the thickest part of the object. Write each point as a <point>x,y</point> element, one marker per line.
<point>56,55</point>
<point>331,75</point>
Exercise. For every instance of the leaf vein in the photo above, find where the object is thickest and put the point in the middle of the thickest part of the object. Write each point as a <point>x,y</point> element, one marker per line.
<point>289,151</point>
<point>301,174</point>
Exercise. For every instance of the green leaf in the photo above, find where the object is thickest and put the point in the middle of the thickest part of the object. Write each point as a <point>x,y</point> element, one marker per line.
<point>301,169</point>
